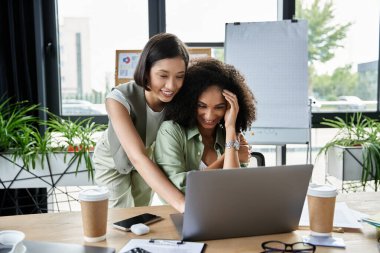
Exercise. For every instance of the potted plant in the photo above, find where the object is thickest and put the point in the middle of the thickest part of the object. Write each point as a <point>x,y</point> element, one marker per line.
<point>355,149</point>
<point>74,137</point>
<point>22,144</point>
<point>33,164</point>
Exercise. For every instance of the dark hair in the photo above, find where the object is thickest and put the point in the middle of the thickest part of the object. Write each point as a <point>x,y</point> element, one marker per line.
<point>202,74</point>
<point>160,46</point>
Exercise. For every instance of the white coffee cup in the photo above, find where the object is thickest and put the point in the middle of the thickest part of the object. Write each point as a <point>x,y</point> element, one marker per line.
<point>13,239</point>
<point>94,207</point>
<point>321,204</point>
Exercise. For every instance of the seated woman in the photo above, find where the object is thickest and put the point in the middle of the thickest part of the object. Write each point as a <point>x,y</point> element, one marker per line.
<point>204,121</point>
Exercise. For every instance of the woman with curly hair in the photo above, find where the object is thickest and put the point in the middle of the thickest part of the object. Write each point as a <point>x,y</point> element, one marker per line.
<point>204,121</point>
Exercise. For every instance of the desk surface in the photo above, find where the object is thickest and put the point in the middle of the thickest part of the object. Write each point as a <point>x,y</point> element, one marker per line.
<point>67,228</point>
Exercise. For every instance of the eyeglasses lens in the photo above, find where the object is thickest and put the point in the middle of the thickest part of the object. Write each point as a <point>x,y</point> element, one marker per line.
<point>277,246</point>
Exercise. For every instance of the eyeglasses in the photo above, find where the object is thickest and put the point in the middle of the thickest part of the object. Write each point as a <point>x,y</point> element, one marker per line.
<point>281,247</point>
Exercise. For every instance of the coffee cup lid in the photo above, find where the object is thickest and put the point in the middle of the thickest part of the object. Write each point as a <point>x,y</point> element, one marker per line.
<point>324,191</point>
<point>11,236</point>
<point>96,194</point>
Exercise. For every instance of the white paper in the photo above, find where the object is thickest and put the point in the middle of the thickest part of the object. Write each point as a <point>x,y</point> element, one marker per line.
<point>273,58</point>
<point>344,217</point>
<point>127,64</point>
<point>359,215</point>
<point>163,246</point>
<point>325,241</point>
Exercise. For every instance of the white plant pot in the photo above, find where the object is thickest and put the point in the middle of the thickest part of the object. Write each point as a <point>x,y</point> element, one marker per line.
<point>344,163</point>
<point>58,173</point>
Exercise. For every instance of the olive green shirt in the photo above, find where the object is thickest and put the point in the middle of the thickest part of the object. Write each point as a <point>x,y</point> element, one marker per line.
<point>178,150</point>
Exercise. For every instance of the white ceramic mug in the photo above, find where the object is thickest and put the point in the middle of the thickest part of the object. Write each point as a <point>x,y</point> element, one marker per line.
<point>13,239</point>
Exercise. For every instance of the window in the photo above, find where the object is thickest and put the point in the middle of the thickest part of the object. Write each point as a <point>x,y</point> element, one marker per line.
<point>211,16</point>
<point>90,32</point>
<point>204,21</point>
<point>343,54</point>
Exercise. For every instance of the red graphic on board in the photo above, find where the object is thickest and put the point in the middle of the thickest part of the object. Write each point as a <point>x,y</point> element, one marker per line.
<point>127,60</point>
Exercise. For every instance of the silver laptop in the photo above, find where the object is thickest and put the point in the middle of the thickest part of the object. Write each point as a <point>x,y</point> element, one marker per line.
<point>243,202</point>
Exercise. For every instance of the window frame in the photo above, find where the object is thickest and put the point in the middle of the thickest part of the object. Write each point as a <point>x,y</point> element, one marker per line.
<point>157,24</point>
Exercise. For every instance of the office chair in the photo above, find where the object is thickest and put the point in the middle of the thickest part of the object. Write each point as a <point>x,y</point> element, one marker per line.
<point>259,158</point>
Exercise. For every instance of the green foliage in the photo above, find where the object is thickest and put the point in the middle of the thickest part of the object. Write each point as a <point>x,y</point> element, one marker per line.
<point>31,147</point>
<point>362,131</point>
<point>341,82</point>
<point>324,36</point>
<point>18,131</point>
<point>75,135</point>
<point>19,135</point>
<point>219,54</point>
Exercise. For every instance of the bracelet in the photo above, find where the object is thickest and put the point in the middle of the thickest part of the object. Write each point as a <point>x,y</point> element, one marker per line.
<point>233,144</point>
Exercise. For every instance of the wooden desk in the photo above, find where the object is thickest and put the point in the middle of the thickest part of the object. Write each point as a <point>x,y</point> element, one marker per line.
<point>67,228</point>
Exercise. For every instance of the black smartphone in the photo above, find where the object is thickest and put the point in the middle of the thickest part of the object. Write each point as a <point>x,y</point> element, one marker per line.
<point>146,218</point>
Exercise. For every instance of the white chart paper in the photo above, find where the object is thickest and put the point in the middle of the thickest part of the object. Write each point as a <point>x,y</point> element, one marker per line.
<point>273,58</point>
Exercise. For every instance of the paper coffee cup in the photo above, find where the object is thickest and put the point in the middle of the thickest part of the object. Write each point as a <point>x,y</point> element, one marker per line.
<point>321,203</point>
<point>94,207</point>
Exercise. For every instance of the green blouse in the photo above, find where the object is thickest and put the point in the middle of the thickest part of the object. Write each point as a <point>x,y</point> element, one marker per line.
<point>178,150</point>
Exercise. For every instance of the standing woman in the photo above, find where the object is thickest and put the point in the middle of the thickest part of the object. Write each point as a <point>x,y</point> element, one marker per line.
<point>135,111</point>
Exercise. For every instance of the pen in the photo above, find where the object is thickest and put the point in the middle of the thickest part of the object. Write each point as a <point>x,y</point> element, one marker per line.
<point>166,242</point>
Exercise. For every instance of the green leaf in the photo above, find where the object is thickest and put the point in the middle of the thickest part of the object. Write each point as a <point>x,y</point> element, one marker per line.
<point>358,130</point>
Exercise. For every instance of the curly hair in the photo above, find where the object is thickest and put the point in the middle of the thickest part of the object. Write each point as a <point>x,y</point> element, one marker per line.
<point>202,74</point>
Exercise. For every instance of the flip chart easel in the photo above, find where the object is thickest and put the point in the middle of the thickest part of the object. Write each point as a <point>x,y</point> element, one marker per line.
<point>273,58</point>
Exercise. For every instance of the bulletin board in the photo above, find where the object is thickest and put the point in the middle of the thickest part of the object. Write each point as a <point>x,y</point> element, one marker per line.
<point>199,52</point>
<point>126,62</point>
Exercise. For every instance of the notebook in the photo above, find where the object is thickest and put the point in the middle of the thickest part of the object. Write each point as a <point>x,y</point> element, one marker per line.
<point>243,202</point>
<point>53,247</point>
<point>161,246</point>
